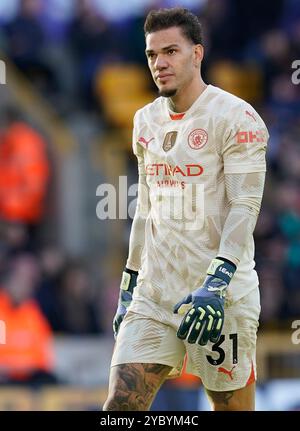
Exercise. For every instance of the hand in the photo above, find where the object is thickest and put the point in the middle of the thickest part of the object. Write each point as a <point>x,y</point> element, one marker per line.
<point>128,283</point>
<point>204,320</point>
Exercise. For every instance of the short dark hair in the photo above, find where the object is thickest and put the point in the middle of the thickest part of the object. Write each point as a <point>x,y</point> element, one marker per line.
<point>161,19</point>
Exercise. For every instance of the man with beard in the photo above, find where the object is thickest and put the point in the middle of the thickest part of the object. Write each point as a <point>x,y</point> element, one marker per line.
<point>189,286</point>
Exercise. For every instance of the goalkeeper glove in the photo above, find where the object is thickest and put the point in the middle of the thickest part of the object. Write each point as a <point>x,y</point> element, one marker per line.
<point>204,320</point>
<point>128,283</point>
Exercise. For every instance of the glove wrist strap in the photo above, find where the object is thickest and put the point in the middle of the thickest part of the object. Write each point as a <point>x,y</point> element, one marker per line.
<point>131,271</point>
<point>128,281</point>
<point>223,269</point>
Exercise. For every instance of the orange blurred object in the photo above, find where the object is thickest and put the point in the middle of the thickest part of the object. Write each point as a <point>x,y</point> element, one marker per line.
<point>24,174</point>
<point>28,344</point>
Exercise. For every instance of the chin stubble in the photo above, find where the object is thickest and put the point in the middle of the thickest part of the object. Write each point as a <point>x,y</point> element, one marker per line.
<point>167,93</point>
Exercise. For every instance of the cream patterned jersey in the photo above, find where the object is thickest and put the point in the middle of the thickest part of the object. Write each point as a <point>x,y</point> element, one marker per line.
<point>201,173</point>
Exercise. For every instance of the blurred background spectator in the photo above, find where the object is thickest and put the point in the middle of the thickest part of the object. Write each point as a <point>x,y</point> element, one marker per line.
<point>76,73</point>
<point>67,298</point>
<point>24,176</point>
<point>27,355</point>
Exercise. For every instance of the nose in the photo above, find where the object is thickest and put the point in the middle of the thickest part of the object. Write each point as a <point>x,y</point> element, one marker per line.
<point>160,62</point>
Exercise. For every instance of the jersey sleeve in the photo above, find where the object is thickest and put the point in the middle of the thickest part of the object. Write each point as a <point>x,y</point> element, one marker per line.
<point>137,148</point>
<point>137,234</point>
<point>244,142</point>
<point>244,150</point>
<point>244,193</point>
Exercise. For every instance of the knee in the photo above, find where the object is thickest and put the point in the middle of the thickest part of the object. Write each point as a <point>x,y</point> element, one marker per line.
<point>238,400</point>
<point>110,405</point>
<point>127,402</point>
<point>234,405</point>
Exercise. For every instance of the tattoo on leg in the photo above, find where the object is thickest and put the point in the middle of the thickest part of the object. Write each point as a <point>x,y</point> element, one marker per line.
<point>136,385</point>
<point>220,397</point>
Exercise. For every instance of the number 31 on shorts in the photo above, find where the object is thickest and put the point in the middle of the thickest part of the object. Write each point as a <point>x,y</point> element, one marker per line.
<point>216,348</point>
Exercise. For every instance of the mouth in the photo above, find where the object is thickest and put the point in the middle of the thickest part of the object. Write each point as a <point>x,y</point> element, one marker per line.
<point>161,77</point>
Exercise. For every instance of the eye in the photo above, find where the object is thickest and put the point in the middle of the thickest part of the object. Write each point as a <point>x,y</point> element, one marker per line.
<point>171,51</point>
<point>151,55</point>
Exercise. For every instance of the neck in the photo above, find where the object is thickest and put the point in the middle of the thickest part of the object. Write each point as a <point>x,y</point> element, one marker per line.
<point>182,101</point>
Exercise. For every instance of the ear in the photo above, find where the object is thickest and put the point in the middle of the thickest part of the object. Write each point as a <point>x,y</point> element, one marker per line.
<point>198,54</point>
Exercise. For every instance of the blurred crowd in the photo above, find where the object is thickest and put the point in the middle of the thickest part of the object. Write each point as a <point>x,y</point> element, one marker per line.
<point>250,47</point>
<point>43,291</point>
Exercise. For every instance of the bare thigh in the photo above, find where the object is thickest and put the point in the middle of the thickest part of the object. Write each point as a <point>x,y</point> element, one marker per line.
<point>240,399</point>
<point>134,386</point>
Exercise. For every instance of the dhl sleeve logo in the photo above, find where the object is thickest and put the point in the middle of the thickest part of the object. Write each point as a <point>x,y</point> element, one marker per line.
<point>251,136</point>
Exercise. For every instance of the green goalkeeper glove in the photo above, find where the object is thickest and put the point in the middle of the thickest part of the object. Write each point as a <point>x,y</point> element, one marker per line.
<point>128,283</point>
<point>204,320</point>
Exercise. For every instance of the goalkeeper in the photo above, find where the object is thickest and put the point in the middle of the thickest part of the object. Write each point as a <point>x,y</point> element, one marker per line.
<point>189,286</point>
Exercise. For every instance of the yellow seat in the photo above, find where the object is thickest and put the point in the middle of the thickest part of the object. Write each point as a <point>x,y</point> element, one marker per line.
<point>243,81</point>
<point>122,89</point>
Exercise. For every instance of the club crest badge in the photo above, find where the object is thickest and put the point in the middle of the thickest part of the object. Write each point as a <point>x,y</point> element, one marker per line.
<point>197,139</point>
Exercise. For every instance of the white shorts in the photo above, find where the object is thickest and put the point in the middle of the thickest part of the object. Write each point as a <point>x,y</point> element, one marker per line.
<point>229,364</point>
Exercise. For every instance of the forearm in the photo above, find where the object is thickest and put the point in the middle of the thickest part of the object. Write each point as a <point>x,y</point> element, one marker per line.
<point>238,229</point>
<point>245,195</point>
<point>136,243</point>
<point>137,234</point>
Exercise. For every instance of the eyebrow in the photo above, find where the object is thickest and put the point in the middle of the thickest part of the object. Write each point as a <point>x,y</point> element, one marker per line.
<point>165,48</point>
